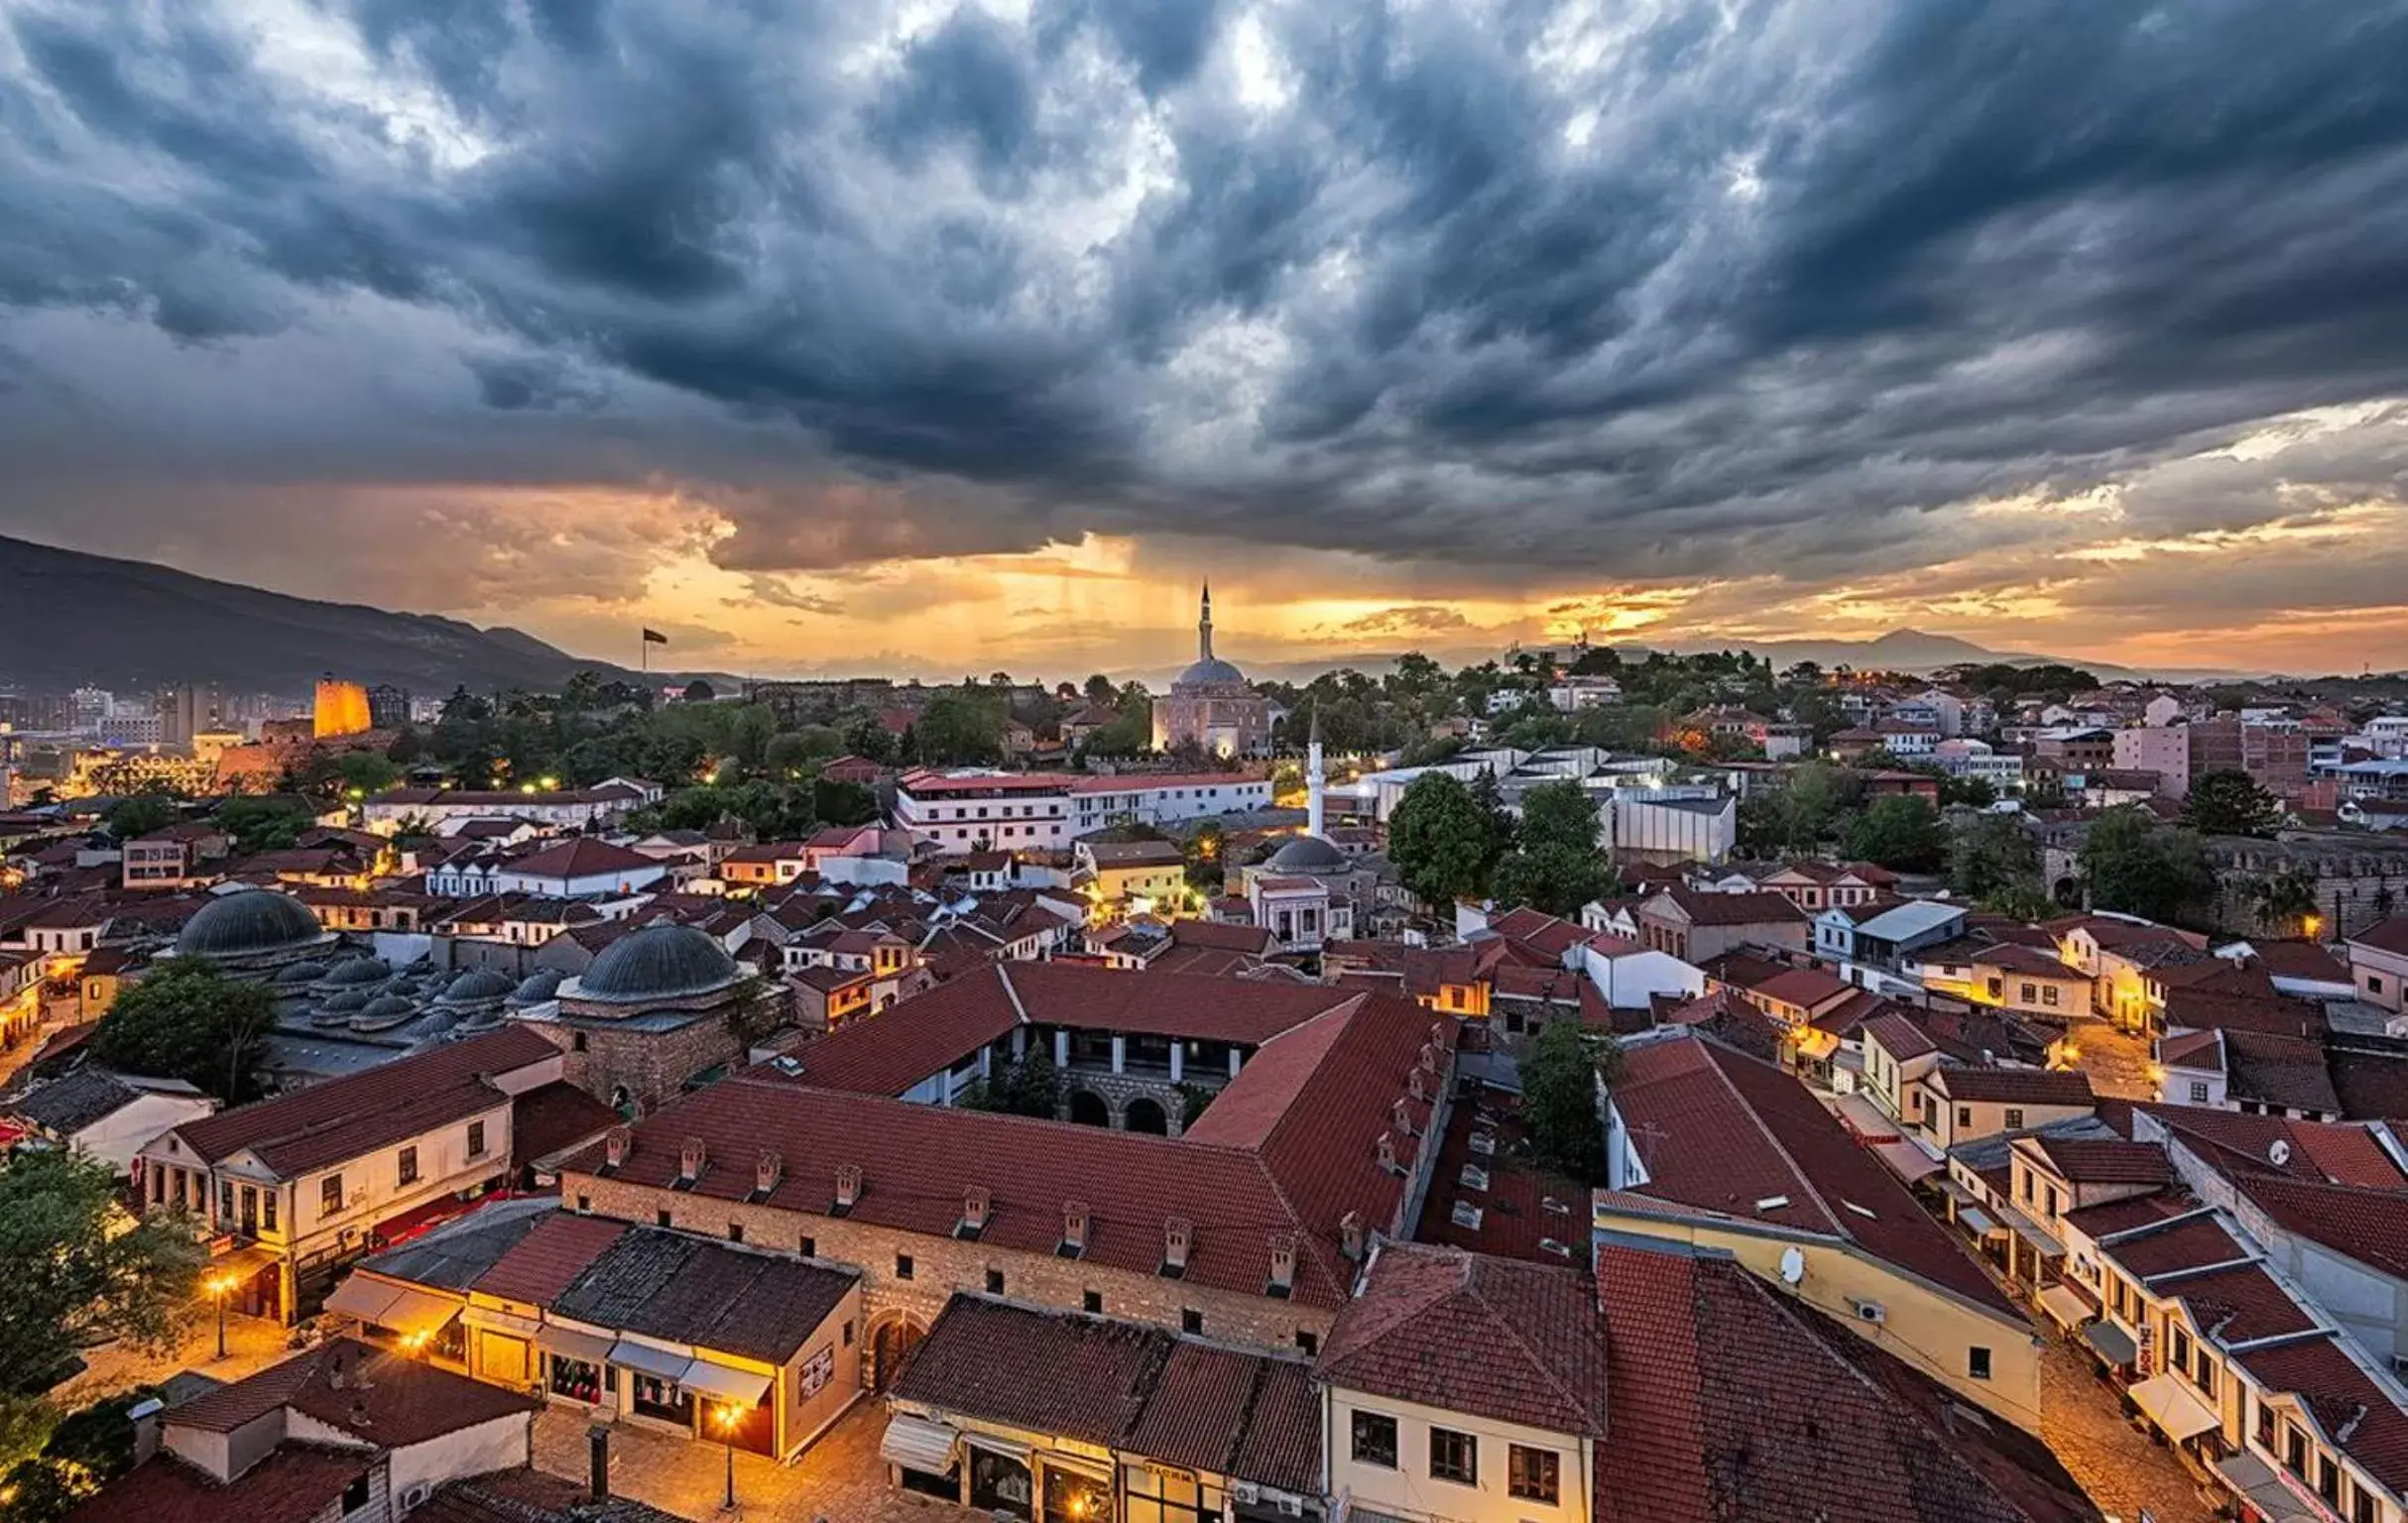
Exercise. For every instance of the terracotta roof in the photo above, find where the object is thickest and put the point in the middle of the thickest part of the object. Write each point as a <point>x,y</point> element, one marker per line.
<point>2300,960</point>
<point>1858,1434</point>
<point>2016,1086</point>
<point>2192,1049</point>
<point>1720,1131</point>
<point>548,1260</point>
<point>2187,1244</point>
<point>2341,1152</point>
<point>2112,1217</point>
<point>389,1399</point>
<point>2104,1161</point>
<point>2241,1305</point>
<point>2343,1398</point>
<point>1125,1385</point>
<point>553,1118</point>
<point>293,1484</point>
<point>1549,934</point>
<point>2285,1071</point>
<point>351,1116</point>
<point>1805,988</point>
<point>1899,1036</point>
<point>1494,1338</point>
<point>1761,907</point>
<point>2390,936</point>
<point>454,1255</point>
<point>584,857</point>
<point>529,1496</point>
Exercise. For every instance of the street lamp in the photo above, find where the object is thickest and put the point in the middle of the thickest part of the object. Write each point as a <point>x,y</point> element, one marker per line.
<point>727,1431</point>
<point>221,1286</point>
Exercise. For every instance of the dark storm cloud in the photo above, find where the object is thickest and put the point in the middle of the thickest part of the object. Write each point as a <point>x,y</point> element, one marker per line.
<point>1718,291</point>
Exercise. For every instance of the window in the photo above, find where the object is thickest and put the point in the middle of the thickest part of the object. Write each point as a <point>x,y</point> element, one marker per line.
<point>2014,1118</point>
<point>267,1207</point>
<point>1190,1320</point>
<point>2361,1504</point>
<point>1375,1439</point>
<point>2027,1185</point>
<point>585,1204</point>
<point>660,1216</point>
<point>2265,1423</point>
<point>1533,1474</point>
<point>2199,1091</point>
<point>1976,1362</point>
<point>1965,1118</point>
<point>735,1231</point>
<point>1092,1302</point>
<point>2048,993</point>
<point>2031,991</point>
<point>904,1267</point>
<point>225,1202</point>
<point>810,1247</point>
<point>331,1195</point>
<point>2052,1203</point>
<point>1308,1342</point>
<point>476,1139</point>
<point>2295,1452</point>
<point>2205,1379</point>
<point>409,1166</point>
<point>2328,1480</point>
<point>1454,1456</point>
<point>995,1282</point>
<point>2182,1348</point>
<point>577,1041</point>
<point>355,1496</point>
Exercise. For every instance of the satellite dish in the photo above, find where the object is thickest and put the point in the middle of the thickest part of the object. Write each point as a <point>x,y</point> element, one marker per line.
<point>1793,1266</point>
<point>2278,1152</point>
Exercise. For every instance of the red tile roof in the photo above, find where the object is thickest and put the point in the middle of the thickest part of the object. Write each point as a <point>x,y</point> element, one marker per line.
<point>548,1258</point>
<point>1758,907</point>
<point>1857,1434</point>
<point>389,1399</point>
<point>553,1118</point>
<point>2341,1152</point>
<point>584,857</point>
<point>1491,1337</point>
<point>1899,1036</point>
<point>1720,1131</point>
<point>2102,1160</point>
<point>2191,1243</point>
<point>1125,1385</point>
<point>2369,1225</point>
<point>293,1484</point>
<point>2239,1304</point>
<point>2016,1086</point>
<point>2390,936</point>
<point>353,1115</point>
<point>2343,1397</point>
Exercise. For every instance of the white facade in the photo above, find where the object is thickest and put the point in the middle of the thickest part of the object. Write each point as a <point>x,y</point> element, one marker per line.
<point>1668,826</point>
<point>964,812</point>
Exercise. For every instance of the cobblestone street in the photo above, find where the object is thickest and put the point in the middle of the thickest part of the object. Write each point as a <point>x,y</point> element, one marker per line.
<point>839,1479</point>
<point>252,1344</point>
<point>2116,1061</point>
<point>2118,1464</point>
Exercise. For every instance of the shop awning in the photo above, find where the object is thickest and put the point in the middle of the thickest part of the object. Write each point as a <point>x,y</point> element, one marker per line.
<point>1910,1162</point>
<point>2112,1342</point>
<point>651,1360</point>
<point>916,1443</point>
<point>501,1322</point>
<point>569,1344</point>
<point>997,1444</point>
<point>2066,1306</point>
<point>364,1298</point>
<point>2254,1482</point>
<point>1974,1222</point>
<point>723,1382</point>
<point>417,1312</point>
<point>244,1262</point>
<point>2171,1405</point>
<point>2032,1232</point>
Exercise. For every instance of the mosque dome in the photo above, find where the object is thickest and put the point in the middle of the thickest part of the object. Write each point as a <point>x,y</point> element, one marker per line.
<point>1306,853</point>
<point>357,972</point>
<point>345,1002</point>
<point>1207,671</point>
<point>660,962</point>
<point>388,1008</point>
<point>302,973</point>
<point>478,983</point>
<point>245,924</point>
<point>538,987</point>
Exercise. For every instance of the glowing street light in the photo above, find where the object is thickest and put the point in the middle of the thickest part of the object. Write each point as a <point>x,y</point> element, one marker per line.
<point>222,1287</point>
<point>727,1431</point>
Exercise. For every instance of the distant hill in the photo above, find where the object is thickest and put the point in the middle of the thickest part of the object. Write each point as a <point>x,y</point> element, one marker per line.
<point>67,618</point>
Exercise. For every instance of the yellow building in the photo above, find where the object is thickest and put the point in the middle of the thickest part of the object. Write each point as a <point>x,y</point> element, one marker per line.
<point>1715,1149</point>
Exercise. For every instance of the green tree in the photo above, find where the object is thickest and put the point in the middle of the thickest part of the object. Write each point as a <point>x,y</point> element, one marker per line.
<point>1558,814</point>
<point>1901,832</point>
<point>1439,839</point>
<point>188,1020</point>
<point>699,691</point>
<point>1206,873</point>
<point>78,1273</point>
<point>1992,855</point>
<point>78,1455</point>
<point>843,803</point>
<point>1559,1074</point>
<point>140,815</point>
<point>265,824</point>
<point>1556,865</point>
<point>960,726</point>
<point>2227,802</point>
<point>785,755</point>
<point>2135,865</point>
<point>2284,902</point>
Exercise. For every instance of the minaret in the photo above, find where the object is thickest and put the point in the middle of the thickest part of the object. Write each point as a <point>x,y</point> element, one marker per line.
<point>1312,776</point>
<point>1204,628</point>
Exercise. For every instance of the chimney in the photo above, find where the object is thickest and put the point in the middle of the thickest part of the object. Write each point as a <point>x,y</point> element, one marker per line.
<point>1429,1056</point>
<point>145,1417</point>
<point>597,1464</point>
<point>1401,1115</point>
<point>1074,1228</point>
<point>767,1169</point>
<point>336,1377</point>
<point>975,1200</point>
<point>1386,1146</point>
<point>1437,1034</point>
<point>617,1145</point>
<point>1282,1263</point>
<point>1417,1085</point>
<point>848,1186</point>
<point>690,1158</point>
<point>1350,1234</point>
<point>1178,1235</point>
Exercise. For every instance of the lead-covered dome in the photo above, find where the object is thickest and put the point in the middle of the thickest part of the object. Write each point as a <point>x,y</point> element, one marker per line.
<point>1209,671</point>
<point>477,984</point>
<point>1306,853</point>
<point>660,962</point>
<point>248,923</point>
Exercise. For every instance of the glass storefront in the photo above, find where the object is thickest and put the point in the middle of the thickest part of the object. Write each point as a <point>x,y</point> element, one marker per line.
<point>1166,1497</point>
<point>999,1483</point>
<point>1074,1497</point>
<point>575,1379</point>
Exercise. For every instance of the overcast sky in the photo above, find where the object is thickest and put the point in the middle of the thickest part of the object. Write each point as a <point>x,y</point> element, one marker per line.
<point>853,334</point>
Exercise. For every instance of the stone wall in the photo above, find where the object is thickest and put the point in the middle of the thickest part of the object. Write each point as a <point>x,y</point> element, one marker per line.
<point>943,1265</point>
<point>652,1067</point>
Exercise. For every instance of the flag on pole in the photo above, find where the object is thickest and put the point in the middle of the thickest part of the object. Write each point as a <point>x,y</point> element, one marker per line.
<point>654,637</point>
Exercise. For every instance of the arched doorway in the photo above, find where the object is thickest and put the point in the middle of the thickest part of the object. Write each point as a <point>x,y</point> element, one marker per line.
<point>1144,1114</point>
<point>892,1343</point>
<point>1087,1108</point>
<point>2068,890</point>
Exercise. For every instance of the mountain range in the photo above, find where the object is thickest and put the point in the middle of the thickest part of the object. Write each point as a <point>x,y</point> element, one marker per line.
<point>67,619</point>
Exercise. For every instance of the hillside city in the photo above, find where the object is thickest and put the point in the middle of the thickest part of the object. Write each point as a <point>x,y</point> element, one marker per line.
<point>1595,1085</point>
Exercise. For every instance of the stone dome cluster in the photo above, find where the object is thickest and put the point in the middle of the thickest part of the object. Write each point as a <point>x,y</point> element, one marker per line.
<point>250,925</point>
<point>660,963</point>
